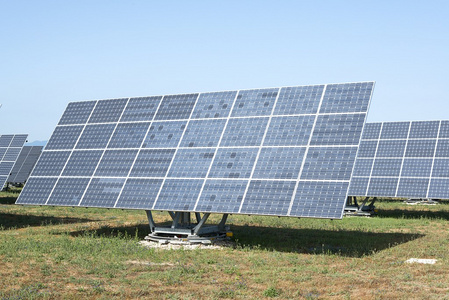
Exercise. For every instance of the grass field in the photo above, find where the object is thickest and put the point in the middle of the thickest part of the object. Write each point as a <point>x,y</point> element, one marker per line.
<point>73,253</point>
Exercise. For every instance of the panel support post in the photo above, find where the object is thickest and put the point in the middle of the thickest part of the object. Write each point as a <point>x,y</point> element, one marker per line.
<point>197,228</point>
<point>150,220</point>
<point>353,208</point>
<point>183,231</point>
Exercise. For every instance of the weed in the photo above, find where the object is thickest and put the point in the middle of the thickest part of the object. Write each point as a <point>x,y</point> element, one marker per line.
<point>272,292</point>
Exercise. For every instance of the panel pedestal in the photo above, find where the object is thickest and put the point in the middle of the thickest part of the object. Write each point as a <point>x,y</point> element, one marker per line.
<point>184,231</point>
<point>421,201</point>
<point>364,209</point>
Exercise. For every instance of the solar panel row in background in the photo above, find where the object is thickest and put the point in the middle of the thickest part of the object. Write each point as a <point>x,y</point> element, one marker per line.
<point>403,159</point>
<point>10,147</point>
<point>25,163</point>
<point>276,151</point>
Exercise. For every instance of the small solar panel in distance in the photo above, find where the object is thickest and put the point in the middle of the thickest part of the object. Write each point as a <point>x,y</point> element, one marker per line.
<point>403,159</point>
<point>10,147</point>
<point>25,163</point>
<point>274,151</point>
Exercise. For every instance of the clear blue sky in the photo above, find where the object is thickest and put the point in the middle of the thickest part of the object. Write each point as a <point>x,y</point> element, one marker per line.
<point>54,52</point>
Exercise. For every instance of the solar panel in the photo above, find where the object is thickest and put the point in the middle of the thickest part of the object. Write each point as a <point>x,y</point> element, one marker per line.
<point>10,147</point>
<point>25,164</point>
<point>403,159</point>
<point>276,151</point>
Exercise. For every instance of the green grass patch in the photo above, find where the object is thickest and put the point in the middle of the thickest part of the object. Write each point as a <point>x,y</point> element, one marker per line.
<point>70,253</point>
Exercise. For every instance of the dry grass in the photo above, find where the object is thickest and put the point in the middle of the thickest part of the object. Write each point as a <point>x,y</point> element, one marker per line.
<point>69,253</point>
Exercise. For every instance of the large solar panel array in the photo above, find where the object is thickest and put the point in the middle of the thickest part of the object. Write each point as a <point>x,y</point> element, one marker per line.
<point>10,147</point>
<point>277,151</point>
<point>403,159</point>
<point>25,163</point>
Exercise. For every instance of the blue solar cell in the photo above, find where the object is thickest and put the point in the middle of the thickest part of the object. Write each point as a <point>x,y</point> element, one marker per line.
<point>116,163</point>
<point>129,135</point>
<point>203,133</point>
<point>319,199</point>
<point>420,148</point>
<point>331,163</point>
<point>268,197</point>
<point>82,163</point>
<point>358,186</point>
<point>438,188</point>
<point>416,167</point>
<point>18,140</point>
<point>363,167</point>
<point>12,154</point>
<point>141,109</point>
<point>440,168</point>
<point>24,164</point>
<point>299,100</point>
<point>2,152</point>
<point>442,148</point>
<point>289,131</point>
<point>444,130</point>
<point>395,130</point>
<point>179,194</point>
<point>367,149</point>
<point>424,129</point>
<point>51,163</point>
<point>214,105</point>
<point>222,196</point>
<point>391,148</point>
<point>37,192</point>
<point>338,129</point>
<point>191,163</point>
<point>139,193</point>
<point>164,134</point>
<point>371,131</point>
<point>5,140</point>
<point>413,187</point>
<point>244,132</point>
<point>382,186</point>
<point>3,181</point>
<point>233,163</point>
<point>77,113</point>
<point>387,167</point>
<point>254,102</point>
<point>344,98</point>
<point>176,107</point>
<point>102,192</point>
<point>64,137</point>
<point>279,163</point>
<point>95,136</point>
<point>152,163</point>
<point>5,168</point>
<point>68,191</point>
<point>108,111</point>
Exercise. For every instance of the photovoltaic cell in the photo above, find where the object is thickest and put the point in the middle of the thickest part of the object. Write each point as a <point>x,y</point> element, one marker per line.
<point>277,151</point>
<point>10,147</point>
<point>25,163</point>
<point>410,159</point>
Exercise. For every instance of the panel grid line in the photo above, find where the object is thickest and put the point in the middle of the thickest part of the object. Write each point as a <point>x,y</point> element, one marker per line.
<point>402,162</point>
<point>374,159</point>
<point>259,150</point>
<point>306,152</point>
<point>216,149</point>
<point>104,151</point>
<point>138,152</point>
<point>174,155</point>
<point>71,153</point>
<point>433,159</point>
